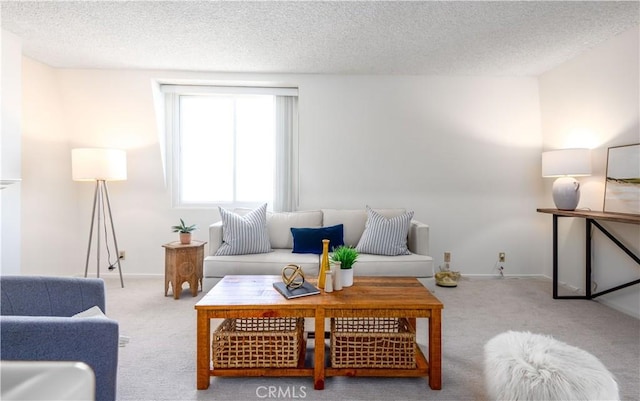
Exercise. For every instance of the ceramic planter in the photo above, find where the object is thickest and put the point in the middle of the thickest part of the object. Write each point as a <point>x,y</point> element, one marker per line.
<point>346,277</point>
<point>185,238</point>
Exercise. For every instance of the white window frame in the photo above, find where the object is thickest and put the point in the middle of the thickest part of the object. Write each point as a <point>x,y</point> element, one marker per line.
<point>286,192</point>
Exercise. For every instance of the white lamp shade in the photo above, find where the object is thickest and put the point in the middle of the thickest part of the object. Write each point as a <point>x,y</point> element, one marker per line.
<point>92,164</point>
<point>566,162</point>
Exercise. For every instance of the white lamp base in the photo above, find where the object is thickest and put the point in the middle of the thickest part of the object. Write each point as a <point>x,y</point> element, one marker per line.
<point>566,193</point>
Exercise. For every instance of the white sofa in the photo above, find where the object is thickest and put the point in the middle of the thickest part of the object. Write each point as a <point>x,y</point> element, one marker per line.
<point>417,264</point>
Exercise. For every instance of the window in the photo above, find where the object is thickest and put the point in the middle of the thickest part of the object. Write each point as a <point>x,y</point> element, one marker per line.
<point>234,147</point>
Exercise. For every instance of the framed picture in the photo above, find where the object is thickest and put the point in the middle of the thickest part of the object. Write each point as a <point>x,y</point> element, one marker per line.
<point>622,187</point>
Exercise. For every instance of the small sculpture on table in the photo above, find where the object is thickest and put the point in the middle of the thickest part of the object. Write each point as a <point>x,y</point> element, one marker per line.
<point>293,276</point>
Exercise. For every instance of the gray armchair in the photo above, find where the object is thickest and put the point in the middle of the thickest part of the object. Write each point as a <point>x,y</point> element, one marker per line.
<point>36,324</point>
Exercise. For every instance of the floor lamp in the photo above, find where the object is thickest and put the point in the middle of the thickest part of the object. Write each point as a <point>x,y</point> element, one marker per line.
<point>100,165</point>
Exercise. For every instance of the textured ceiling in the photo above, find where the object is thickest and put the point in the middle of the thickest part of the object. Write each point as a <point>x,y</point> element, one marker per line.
<point>428,37</point>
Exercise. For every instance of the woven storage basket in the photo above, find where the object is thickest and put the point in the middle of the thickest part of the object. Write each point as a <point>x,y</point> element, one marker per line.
<point>258,343</point>
<point>372,343</point>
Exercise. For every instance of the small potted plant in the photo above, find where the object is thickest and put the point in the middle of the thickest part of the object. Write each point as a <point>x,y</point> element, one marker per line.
<point>185,231</point>
<point>347,256</point>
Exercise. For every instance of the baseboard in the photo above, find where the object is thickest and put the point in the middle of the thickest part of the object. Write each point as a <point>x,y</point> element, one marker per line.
<point>115,275</point>
<point>498,277</point>
<point>605,302</point>
<point>619,308</point>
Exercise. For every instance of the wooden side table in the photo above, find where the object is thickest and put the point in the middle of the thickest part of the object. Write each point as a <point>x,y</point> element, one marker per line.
<point>183,263</point>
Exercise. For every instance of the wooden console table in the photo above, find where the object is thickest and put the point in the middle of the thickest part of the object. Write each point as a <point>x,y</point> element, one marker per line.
<point>254,296</point>
<point>591,218</point>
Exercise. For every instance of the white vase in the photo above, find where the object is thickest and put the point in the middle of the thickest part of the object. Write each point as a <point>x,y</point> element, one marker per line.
<point>566,193</point>
<point>346,276</point>
<point>337,277</point>
<point>328,282</point>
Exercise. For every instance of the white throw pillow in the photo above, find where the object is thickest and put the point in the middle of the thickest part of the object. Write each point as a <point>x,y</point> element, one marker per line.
<point>243,235</point>
<point>94,311</point>
<point>383,236</point>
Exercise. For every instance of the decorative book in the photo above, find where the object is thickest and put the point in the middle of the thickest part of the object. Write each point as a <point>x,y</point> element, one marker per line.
<point>290,293</point>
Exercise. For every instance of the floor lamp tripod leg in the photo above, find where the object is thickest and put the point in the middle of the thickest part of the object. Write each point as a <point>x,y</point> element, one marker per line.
<point>113,231</point>
<point>100,224</point>
<point>93,216</point>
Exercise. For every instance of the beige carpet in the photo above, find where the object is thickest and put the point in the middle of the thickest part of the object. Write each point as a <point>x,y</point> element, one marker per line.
<point>159,361</point>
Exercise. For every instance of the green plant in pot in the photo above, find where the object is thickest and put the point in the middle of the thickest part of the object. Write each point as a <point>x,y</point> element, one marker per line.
<point>185,231</point>
<point>347,256</point>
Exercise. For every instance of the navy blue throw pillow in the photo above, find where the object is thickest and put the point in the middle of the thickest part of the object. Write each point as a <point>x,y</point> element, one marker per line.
<point>309,240</point>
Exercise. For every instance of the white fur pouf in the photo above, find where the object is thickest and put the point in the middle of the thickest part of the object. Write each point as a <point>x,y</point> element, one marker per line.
<point>526,366</point>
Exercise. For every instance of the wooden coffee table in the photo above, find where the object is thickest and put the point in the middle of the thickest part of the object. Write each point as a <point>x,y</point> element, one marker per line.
<point>254,296</point>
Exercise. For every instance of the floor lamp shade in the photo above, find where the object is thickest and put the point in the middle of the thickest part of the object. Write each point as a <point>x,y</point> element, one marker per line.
<point>91,164</point>
<point>566,164</point>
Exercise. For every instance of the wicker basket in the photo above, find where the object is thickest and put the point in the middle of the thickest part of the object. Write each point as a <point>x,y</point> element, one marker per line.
<point>258,343</point>
<point>372,343</point>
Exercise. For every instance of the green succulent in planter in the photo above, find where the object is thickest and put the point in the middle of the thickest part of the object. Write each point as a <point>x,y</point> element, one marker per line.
<point>183,228</point>
<point>346,255</point>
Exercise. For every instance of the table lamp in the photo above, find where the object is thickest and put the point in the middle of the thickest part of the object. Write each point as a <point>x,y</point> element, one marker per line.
<point>100,165</point>
<point>566,164</point>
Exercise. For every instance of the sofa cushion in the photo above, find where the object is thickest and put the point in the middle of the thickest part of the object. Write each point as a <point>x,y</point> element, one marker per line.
<point>244,234</point>
<point>309,240</point>
<point>354,221</point>
<point>402,265</point>
<point>279,225</point>
<point>265,263</point>
<point>384,236</point>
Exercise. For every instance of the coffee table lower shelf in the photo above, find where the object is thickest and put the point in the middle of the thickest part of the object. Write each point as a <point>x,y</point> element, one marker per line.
<point>305,369</point>
<point>259,372</point>
<point>421,369</point>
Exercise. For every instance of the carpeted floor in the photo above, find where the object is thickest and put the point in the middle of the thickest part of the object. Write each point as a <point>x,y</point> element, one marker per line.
<point>159,361</point>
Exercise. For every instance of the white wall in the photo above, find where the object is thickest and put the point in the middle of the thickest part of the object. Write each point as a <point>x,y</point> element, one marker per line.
<point>593,101</point>
<point>10,152</point>
<point>463,153</point>
<point>52,239</point>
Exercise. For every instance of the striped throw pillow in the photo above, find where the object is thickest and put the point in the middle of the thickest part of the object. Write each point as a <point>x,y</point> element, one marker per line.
<point>242,235</point>
<point>384,236</point>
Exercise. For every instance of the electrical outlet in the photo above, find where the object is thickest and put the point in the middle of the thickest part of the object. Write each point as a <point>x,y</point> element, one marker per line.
<point>447,257</point>
<point>121,255</point>
<point>501,257</point>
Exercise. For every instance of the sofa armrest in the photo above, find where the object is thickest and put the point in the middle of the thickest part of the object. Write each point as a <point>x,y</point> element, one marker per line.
<point>418,240</point>
<point>215,237</point>
<point>91,340</point>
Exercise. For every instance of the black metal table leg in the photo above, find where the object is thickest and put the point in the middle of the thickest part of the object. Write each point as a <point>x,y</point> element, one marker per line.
<point>555,256</point>
<point>587,263</point>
